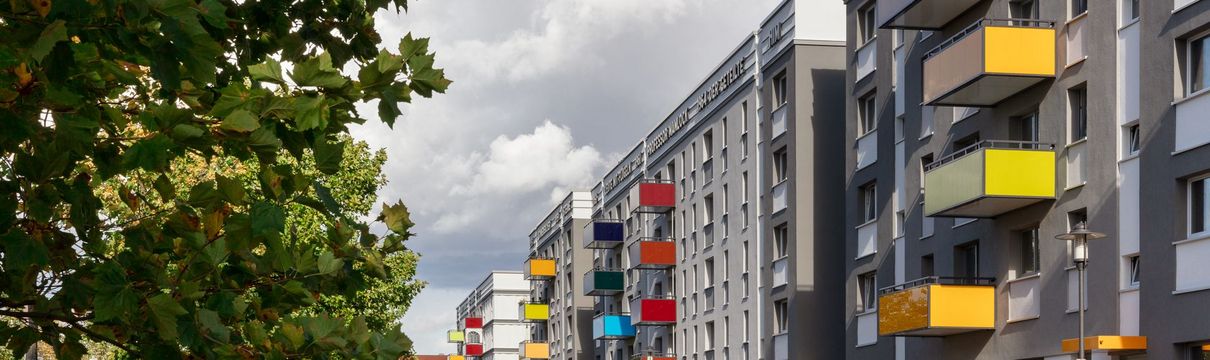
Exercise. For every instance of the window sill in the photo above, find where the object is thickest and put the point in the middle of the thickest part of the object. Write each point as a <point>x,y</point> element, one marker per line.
<point>1192,239</point>
<point>1182,7</point>
<point>867,133</point>
<point>1023,278</point>
<point>956,225</point>
<point>1074,63</point>
<point>1129,157</point>
<point>925,136</point>
<point>1076,18</point>
<point>1073,187</point>
<point>1194,95</point>
<point>1128,24</point>
<point>866,256</point>
<point>1190,290</point>
<point>1129,289</point>
<point>926,237</point>
<point>866,223</point>
<point>1012,321</point>
<point>1076,143</point>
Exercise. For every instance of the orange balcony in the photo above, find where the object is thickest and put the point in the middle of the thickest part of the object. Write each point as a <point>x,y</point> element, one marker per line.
<point>652,253</point>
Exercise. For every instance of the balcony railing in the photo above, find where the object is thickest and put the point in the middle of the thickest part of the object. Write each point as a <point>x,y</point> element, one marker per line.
<point>539,269</point>
<point>653,356</point>
<point>472,350</point>
<point>612,327</point>
<point>920,14</point>
<point>654,196</point>
<point>651,253</point>
<point>989,61</point>
<point>989,178</point>
<point>455,336</point>
<point>652,310</point>
<point>937,306</point>
<point>604,234</point>
<point>534,350</point>
<point>603,282</point>
<point>472,323</point>
<point>534,311</point>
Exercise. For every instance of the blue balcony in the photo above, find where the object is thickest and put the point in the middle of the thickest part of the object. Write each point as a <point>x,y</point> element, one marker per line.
<point>612,327</point>
<point>604,234</point>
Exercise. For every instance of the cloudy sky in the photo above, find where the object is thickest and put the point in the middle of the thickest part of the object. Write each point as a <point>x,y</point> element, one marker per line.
<point>546,95</point>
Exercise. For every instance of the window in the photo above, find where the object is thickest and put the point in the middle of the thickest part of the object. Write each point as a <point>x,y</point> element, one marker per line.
<point>866,21</point>
<point>900,218</point>
<point>708,209</point>
<point>867,292</point>
<point>708,145</point>
<point>1198,60</point>
<point>708,275</point>
<point>1133,139</point>
<point>866,113</point>
<point>743,188</point>
<point>743,146</point>
<point>926,266</point>
<point>746,324</point>
<point>1078,7</point>
<point>1199,212</point>
<point>869,204</point>
<point>1025,127</point>
<point>708,341</point>
<point>925,161</point>
<point>1078,102</point>
<point>780,86</point>
<point>1199,351</point>
<point>744,259</point>
<point>781,163</point>
<point>1023,9</point>
<point>781,315</point>
<point>966,260</point>
<point>1130,11</point>
<point>1029,256</point>
<point>1132,277</point>
<point>781,241</point>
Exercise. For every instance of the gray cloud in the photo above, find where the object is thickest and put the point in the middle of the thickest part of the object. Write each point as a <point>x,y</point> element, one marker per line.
<point>547,93</point>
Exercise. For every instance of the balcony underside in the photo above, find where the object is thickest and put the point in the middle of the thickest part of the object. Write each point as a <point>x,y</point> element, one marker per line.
<point>987,90</point>
<point>988,207</point>
<point>937,332</point>
<point>922,14</point>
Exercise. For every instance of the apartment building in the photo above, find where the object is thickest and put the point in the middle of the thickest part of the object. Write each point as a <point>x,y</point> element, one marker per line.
<point>559,314</point>
<point>489,325</point>
<point>981,129</point>
<point>686,222</point>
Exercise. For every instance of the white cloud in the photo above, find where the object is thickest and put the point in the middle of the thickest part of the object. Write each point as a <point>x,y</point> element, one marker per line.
<point>533,161</point>
<point>430,317</point>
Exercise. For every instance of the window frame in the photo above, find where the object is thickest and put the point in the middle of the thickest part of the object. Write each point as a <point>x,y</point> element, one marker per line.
<point>867,114</point>
<point>869,202</point>
<point>1079,109</point>
<point>1031,235</point>
<point>1189,207</point>
<point>867,290</point>
<point>867,18</point>
<point>1189,63</point>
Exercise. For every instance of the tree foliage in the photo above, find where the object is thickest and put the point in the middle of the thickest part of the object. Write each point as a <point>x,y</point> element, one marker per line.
<point>104,104</point>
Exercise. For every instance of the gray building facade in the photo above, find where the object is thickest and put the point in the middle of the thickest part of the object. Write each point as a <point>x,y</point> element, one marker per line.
<point>567,330</point>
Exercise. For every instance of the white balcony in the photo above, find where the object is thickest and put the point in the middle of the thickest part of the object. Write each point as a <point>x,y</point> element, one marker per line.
<point>1077,158</point>
<point>867,239</point>
<point>781,346</point>
<point>779,121</point>
<point>1192,124</point>
<point>1075,40</point>
<point>779,272</point>
<point>1024,298</point>
<point>866,60</point>
<point>779,196</point>
<point>867,149</point>
<point>867,329</point>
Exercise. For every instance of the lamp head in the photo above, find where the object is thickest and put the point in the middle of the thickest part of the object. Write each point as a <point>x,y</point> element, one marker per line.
<point>1080,232</point>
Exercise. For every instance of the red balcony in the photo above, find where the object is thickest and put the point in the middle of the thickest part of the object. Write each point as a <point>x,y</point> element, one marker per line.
<point>655,196</point>
<point>652,253</point>
<point>473,350</point>
<point>472,323</point>
<point>653,310</point>
<point>647,356</point>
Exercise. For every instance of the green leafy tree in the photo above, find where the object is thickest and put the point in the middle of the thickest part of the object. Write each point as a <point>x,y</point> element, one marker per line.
<point>131,92</point>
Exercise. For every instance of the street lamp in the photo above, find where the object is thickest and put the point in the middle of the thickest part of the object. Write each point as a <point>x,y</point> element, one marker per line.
<point>1080,235</point>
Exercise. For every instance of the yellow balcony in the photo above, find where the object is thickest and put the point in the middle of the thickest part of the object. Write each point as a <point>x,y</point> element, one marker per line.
<point>535,311</point>
<point>456,357</point>
<point>989,62</point>
<point>539,269</point>
<point>989,178</point>
<point>937,306</point>
<point>920,14</point>
<point>455,336</point>
<point>534,350</point>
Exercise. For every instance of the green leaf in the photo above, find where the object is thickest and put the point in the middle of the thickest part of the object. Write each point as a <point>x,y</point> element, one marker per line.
<point>186,131</point>
<point>396,217</point>
<point>115,305</point>
<point>164,187</point>
<point>310,112</point>
<point>269,71</point>
<point>328,155</point>
<point>268,220</point>
<point>149,154</point>
<point>235,97</point>
<point>164,312</point>
<point>51,35</point>
<point>240,121</point>
<point>409,46</point>
<point>318,71</point>
<point>231,190</point>
<point>264,139</point>
<point>328,263</point>
<point>213,325</point>
<point>21,251</point>
<point>215,13</point>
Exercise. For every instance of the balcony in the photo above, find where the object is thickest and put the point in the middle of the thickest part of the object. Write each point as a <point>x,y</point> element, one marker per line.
<point>779,272</point>
<point>989,178</point>
<point>652,253</point>
<point>779,196</point>
<point>603,282</point>
<point>937,306</point>
<point>779,121</point>
<point>604,234</point>
<point>532,311</point>
<point>612,327</point>
<point>920,14</point>
<point>455,357</point>
<point>472,323</point>
<point>781,346</point>
<point>653,356</point>
<point>473,350</point>
<point>989,62</point>
<point>539,269</point>
<point>455,336</point>
<point>652,310</point>
<point>534,350</point>
<point>655,196</point>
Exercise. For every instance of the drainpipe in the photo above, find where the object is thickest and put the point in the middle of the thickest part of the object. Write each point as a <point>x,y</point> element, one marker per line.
<point>760,220</point>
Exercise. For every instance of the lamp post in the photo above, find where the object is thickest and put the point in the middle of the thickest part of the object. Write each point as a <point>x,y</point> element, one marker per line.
<point>1080,235</point>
